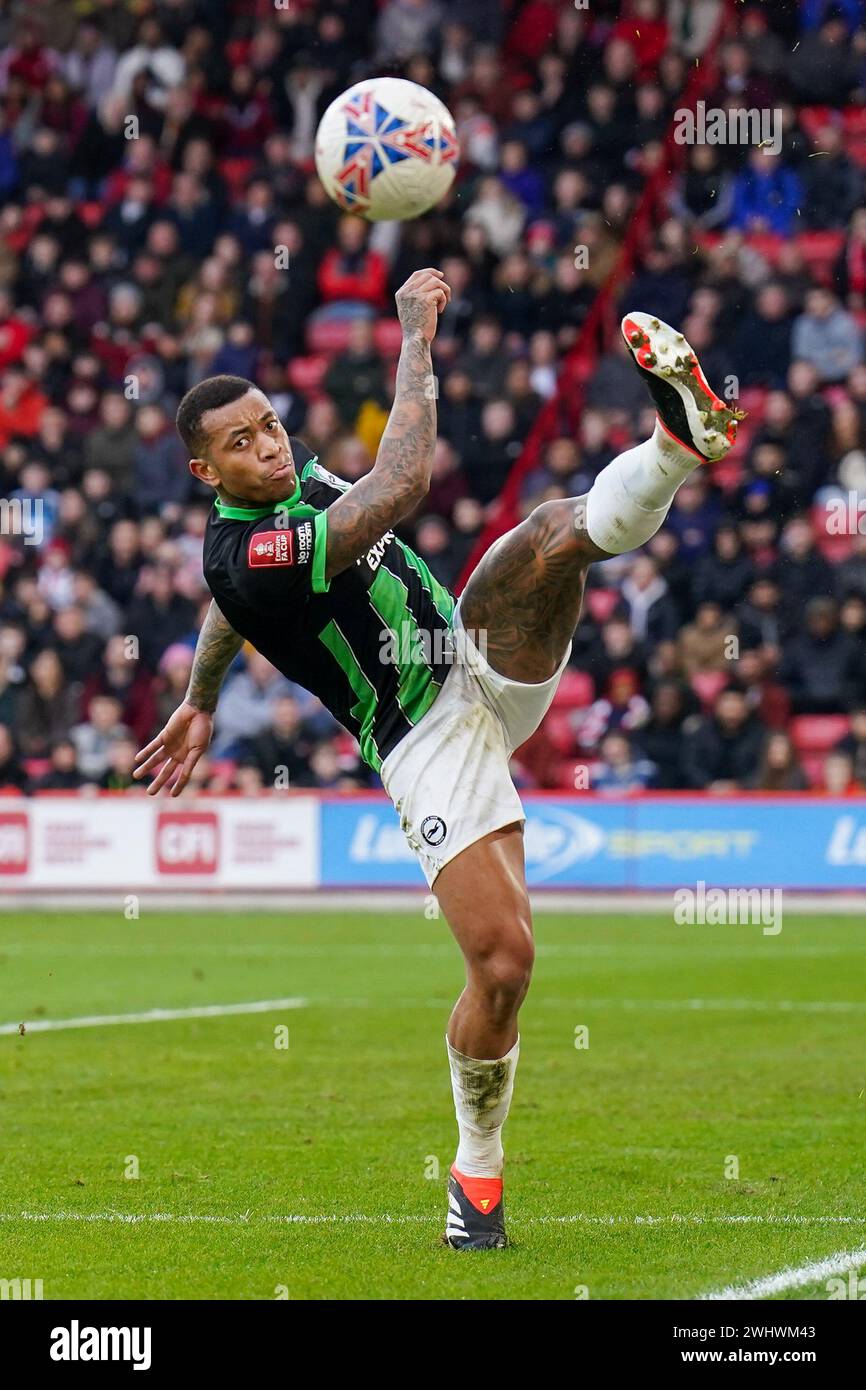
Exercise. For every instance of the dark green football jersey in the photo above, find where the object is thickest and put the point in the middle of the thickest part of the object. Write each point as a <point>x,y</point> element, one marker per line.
<point>374,643</point>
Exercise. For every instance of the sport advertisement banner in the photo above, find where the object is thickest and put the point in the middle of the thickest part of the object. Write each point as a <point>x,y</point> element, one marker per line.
<point>129,843</point>
<point>305,842</point>
<point>633,843</point>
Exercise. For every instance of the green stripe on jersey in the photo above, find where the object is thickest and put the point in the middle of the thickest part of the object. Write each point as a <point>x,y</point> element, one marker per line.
<point>416,688</point>
<point>443,602</point>
<point>364,710</point>
<point>319,583</point>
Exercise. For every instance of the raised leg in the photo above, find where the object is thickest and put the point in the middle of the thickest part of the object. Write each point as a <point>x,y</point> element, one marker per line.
<point>526,593</point>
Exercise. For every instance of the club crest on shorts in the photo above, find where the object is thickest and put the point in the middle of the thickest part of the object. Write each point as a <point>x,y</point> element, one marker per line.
<point>433,830</point>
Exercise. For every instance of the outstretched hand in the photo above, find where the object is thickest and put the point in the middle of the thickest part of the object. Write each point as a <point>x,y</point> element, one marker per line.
<point>177,747</point>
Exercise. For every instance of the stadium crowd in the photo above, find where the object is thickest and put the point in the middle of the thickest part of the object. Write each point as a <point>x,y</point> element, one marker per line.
<point>161,221</point>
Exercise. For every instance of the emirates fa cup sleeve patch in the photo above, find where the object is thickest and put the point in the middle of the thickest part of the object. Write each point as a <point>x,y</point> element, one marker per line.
<point>271,548</point>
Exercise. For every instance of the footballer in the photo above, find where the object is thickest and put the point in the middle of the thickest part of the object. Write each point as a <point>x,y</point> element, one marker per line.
<point>309,570</point>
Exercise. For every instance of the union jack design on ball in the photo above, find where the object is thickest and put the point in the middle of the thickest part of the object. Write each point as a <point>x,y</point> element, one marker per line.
<point>375,138</point>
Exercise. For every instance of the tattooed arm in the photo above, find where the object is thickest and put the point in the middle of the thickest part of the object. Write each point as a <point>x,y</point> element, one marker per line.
<point>187,734</point>
<point>400,476</point>
<point>218,645</point>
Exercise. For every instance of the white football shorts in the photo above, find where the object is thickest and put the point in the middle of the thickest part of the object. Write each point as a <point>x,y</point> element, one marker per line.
<point>449,778</point>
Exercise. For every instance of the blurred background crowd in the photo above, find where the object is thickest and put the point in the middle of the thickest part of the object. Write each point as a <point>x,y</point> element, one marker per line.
<point>161,221</point>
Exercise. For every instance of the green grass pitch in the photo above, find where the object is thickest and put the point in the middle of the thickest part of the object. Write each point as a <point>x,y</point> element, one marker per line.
<point>709,1047</point>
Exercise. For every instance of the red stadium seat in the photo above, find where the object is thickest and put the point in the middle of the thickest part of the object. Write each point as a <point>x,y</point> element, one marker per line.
<point>236,172</point>
<point>601,603</point>
<point>727,472</point>
<point>707,685</point>
<point>813,766</point>
<point>820,251</point>
<point>91,214</point>
<point>575,691</point>
<point>560,731</point>
<point>767,244</point>
<point>573,775</point>
<point>328,336</point>
<point>854,125</point>
<point>305,374</point>
<point>834,548</point>
<point>388,337</point>
<point>815,733</point>
<point>753,399</point>
<point>36,767</point>
<point>814,118</point>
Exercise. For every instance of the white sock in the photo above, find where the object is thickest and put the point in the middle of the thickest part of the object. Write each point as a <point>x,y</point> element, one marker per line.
<point>482,1096</point>
<point>631,497</point>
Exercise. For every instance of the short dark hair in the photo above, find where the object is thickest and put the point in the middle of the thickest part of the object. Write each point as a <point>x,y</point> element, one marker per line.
<point>209,394</point>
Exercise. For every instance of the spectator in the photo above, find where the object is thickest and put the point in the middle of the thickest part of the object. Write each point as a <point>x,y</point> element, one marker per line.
<point>13,778</point>
<point>117,776</point>
<point>161,476</point>
<point>46,706</point>
<point>652,614</point>
<point>351,275</point>
<point>824,68</point>
<point>802,573</point>
<point>248,703</point>
<point>704,194</point>
<point>827,337</point>
<point>95,737</point>
<point>63,775</point>
<point>620,771</point>
<point>357,375</point>
<point>780,770</point>
<point>833,183</point>
<point>722,752</point>
<point>119,674</point>
<point>822,666</point>
<point>723,576</point>
<point>156,60</point>
<point>706,644</point>
<point>767,195</point>
<point>281,752</point>
<point>660,738</point>
<point>854,743</point>
<point>839,777</point>
<point>159,614</point>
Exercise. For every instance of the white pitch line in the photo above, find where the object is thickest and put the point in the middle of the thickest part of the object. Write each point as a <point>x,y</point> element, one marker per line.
<point>54,1025</point>
<point>793,1278</point>
<point>261,1006</point>
<point>361,1218</point>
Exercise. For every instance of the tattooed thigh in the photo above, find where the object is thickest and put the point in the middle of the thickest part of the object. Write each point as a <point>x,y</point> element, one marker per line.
<point>526,593</point>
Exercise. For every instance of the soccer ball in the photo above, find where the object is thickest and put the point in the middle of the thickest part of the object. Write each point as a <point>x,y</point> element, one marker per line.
<point>386,149</point>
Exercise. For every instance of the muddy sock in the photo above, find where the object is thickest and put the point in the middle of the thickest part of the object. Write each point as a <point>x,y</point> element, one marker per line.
<point>482,1095</point>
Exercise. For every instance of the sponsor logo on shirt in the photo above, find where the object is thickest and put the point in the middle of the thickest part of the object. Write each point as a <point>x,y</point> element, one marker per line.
<point>376,552</point>
<point>270,548</point>
<point>304,537</point>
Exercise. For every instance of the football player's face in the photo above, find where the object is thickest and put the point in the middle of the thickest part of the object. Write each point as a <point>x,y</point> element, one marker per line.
<point>248,453</point>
